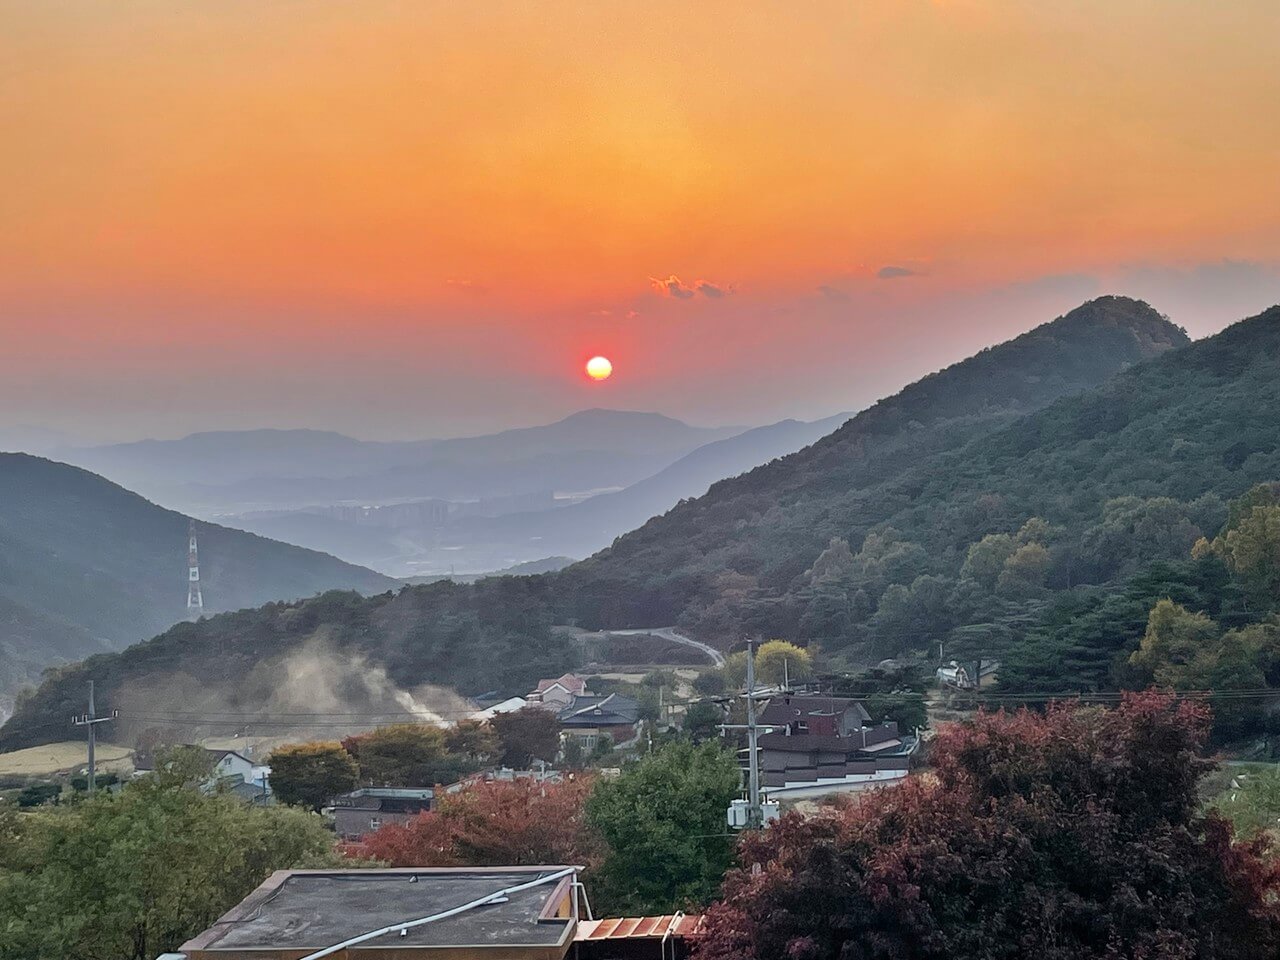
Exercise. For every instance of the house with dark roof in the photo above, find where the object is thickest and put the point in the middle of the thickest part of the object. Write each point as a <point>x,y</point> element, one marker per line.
<point>462,913</point>
<point>363,811</point>
<point>803,713</point>
<point>818,745</point>
<point>590,718</point>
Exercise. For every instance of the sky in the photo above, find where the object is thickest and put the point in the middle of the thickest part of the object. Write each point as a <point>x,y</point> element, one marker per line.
<point>420,219</point>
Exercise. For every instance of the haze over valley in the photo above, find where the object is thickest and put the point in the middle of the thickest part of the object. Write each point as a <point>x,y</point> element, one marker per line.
<point>580,479</point>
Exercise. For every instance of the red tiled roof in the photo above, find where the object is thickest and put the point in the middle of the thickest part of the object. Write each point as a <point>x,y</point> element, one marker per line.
<point>629,928</point>
<point>570,682</point>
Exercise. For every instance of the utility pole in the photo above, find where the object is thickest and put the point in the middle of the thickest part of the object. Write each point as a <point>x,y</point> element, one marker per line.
<point>91,720</point>
<point>755,811</point>
<point>755,816</point>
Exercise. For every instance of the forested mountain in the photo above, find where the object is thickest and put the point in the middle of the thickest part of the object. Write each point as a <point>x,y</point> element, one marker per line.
<point>339,654</point>
<point>968,544</point>
<point>906,487</point>
<point>87,566</point>
<point>891,481</point>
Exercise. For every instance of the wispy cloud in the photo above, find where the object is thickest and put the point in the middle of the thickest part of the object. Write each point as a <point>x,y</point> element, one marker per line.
<point>894,272</point>
<point>832,293</point>
<point>677,289</point>
<point>466,284</point>
<point>672,286</point>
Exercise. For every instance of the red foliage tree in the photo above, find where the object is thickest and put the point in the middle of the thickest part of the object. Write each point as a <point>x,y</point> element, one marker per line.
<point>1057,836</point>
<point>494,824</point>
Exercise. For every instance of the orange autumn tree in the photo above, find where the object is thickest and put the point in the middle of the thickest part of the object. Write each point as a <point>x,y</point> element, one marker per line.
<point>513,823</point>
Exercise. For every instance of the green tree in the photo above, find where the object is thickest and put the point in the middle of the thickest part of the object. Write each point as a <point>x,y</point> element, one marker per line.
<point>663,822</point>
<point>709,683</point>
<point>986,558</point>
<point>776,660</point>
<point>1251,548</point>
<point>1024,572</point>
<point>834,565</point>
<point>1175,637</point>
<point>311,774</point>
<point>702,720</point>
<point>473,740</point>
<point>38,794</point>
<point>405,755</point>
<point>525,735</point>
<point>130,876</point>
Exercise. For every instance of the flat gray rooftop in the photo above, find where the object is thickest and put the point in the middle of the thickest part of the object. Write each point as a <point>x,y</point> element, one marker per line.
<point>315,910</point>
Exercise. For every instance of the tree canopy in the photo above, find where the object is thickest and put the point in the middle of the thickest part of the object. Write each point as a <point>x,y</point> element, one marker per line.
<point>1066,835</point>
<point>663,825</point>
<point>312,774</point>
<point>131,875</point>
<point>524,735</point>
<point>499,823</point>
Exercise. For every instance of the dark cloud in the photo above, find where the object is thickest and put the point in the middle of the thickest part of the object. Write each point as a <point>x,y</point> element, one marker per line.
<point>833,293</point>
<point>708,289</point>
<point>893,273</point>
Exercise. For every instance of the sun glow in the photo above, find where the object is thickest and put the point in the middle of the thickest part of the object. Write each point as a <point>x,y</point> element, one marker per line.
<point>599,368</point>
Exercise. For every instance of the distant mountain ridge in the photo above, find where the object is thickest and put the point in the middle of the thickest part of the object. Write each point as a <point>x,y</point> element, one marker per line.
<point>583,528</point>
<point>746,555</point>
<point>86,566</point>
<point>239,471</point>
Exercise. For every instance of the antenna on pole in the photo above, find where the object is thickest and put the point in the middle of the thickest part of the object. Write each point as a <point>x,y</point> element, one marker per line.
<point>91,720</point>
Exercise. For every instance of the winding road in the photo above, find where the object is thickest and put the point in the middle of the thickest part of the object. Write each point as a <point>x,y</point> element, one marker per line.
<point>669,633</point>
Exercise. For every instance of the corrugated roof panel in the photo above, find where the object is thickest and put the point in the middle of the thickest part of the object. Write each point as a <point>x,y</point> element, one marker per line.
<point>633,928</point>
<point>604,929</point>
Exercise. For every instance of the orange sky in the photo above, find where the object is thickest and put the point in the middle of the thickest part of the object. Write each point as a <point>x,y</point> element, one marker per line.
<point>413,218</point>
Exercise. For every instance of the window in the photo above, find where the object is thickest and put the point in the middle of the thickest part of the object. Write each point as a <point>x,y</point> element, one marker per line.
<point>374,823</point>
<point>802,726</point>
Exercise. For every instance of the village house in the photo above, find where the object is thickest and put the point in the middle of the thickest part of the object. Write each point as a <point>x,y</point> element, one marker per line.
<point>363,811</point>
<point>588,719</point>
<point>229,770</point>
<point>558,693</point>
<point>819,745</point>
<point>462,913</point>
<point>509,705</point>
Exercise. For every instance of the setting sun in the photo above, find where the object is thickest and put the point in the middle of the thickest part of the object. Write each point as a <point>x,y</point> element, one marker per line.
<point>599,368</point>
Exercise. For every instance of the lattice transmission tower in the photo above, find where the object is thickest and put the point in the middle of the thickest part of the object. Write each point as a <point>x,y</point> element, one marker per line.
<point>195,599</point>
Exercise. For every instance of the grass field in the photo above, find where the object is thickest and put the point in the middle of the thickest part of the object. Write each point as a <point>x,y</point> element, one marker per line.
<point>57,757</point>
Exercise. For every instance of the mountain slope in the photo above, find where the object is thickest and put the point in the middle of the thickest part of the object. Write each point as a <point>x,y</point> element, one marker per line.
<point>85,565</point>
<point>768,526</point>
<point>240,471</point>
<point>732,560</point>
<point>583,528</point>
